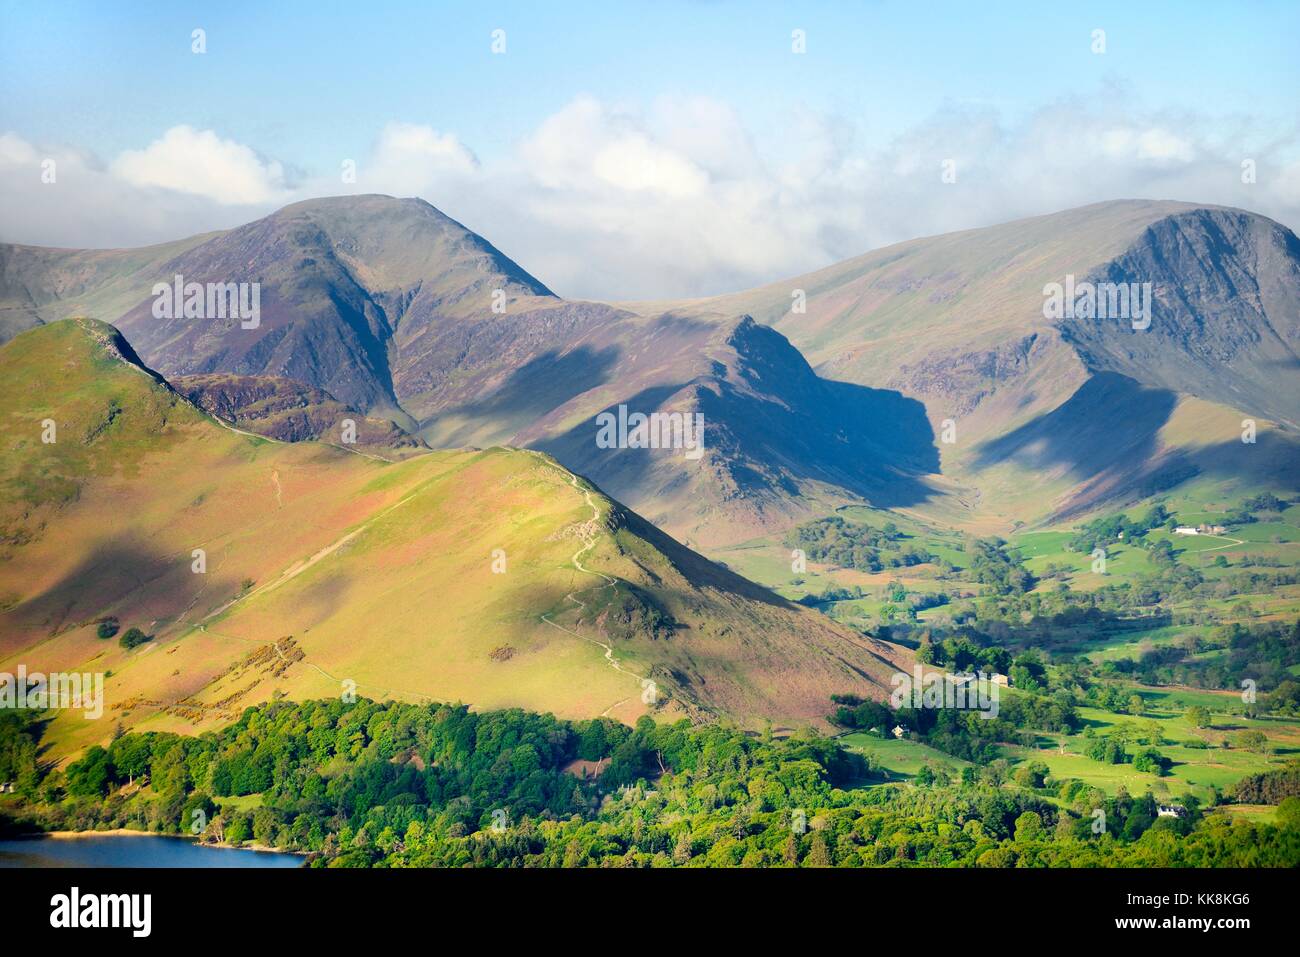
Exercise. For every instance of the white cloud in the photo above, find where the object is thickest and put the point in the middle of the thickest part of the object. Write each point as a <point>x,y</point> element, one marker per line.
<point>1155,145</point>
<point>409,159</point>
<point>679,198</point>
<point>16,152</point>
<point>89,205</point>
<point>200,163</point>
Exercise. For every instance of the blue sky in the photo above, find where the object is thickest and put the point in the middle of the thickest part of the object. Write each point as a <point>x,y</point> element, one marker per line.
<point>304,85</point>
<point>311,80</point>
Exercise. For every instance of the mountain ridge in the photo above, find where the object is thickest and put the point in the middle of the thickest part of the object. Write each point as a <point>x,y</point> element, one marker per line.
<point>320,566</point>
<point>387,305</point>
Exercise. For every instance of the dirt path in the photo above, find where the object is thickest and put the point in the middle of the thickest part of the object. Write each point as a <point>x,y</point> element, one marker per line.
<point>1231,542</point>
<point>293,571</point>
<point>588,543</point>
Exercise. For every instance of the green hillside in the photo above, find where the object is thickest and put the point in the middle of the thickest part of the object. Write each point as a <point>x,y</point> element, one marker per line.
<point>325,567</point>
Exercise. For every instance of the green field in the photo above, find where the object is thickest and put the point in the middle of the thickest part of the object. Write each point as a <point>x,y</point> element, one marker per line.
<point>902,758</point>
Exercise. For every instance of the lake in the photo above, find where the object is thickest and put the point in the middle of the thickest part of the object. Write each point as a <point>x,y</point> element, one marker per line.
<point>130,850</point>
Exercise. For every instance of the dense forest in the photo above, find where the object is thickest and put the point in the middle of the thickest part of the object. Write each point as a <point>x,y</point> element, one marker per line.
<point>856,545</point>
<point>403,785</point>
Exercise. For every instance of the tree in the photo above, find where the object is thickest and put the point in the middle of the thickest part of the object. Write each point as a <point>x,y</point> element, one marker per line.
<point>1028,673</point>
<point>682,851</point>
<point>1029,827</point>
<point>92,775</point>
<point>1136,704</point>
<point>197,813</point>
<point>1031,774</point>
<point>1153,733</point>
<point>239,829</point>
<point>1199,716</point>
<point>1150,761</point>
<point>819,854</point>
<point>1253,740</point>
<point>791,851</point>
<point>131,755</point>
<point>1288,813</point>
<point>133,637</point>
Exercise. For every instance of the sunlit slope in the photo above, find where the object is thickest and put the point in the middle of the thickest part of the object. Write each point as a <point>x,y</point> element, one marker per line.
<point>394,310</point>
<point>1053,415</point>
<point>43,284</point>
<point>493,577</point>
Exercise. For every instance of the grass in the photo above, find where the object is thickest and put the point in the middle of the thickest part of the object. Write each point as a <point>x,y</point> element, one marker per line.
<point>242,802</point>
<point>903,758</point>
<point>369,572</point>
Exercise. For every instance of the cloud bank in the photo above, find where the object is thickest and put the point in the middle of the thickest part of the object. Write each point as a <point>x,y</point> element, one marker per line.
<point>678,198</point>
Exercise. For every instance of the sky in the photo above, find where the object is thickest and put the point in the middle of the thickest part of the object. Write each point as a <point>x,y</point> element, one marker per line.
<point>633,149</point>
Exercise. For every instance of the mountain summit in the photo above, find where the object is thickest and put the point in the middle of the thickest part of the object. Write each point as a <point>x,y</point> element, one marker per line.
<point>931,375</point>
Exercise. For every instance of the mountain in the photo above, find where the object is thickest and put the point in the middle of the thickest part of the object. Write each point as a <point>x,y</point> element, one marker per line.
<point>495,577</point>
<point>1055,416</point>
<point>780,443</point>
<point>40,284</point>
<point>345,286</point>
<point>927,376</point>
<point>292,412</point>
<point>387,306</point>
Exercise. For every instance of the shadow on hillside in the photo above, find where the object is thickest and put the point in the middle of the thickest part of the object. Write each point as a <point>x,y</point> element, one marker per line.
<point>542,384</point>
<point>1272,460</point>
<point>698,570</point>
<point>1071,632</point>
<point>1110,422</point>
<point>106,575</point>
<point>772,423</point>
<point>1106,437</point>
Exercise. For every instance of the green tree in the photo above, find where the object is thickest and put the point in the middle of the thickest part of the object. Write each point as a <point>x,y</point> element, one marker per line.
<point>92,775</point>
<point>1029,827</point>
<point>1288,813</point>
<point>133,637</point>
<point>819,854</point>
<point>1253,740</point>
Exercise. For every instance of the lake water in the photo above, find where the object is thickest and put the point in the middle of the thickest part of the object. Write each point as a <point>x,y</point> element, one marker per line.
<point>129,850</point>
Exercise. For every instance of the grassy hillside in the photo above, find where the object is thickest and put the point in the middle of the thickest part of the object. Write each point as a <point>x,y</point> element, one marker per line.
<point>325,567</point>
<point>1053,418</point>
<point>924,377</point>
